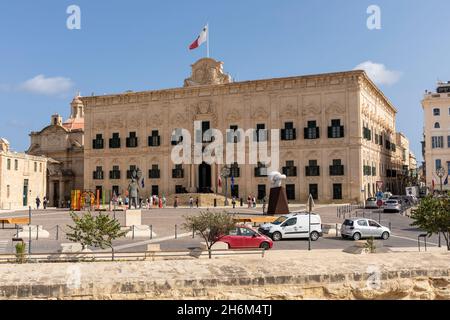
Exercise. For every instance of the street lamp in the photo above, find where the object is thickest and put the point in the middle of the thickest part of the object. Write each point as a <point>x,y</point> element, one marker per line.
<point>225,173</point>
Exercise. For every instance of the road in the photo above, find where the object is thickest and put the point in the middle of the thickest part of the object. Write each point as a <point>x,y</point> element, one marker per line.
<point>166,222</point>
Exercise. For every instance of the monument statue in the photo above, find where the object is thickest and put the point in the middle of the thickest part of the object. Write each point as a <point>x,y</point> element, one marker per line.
<point>133,191</point>
<point>278,203</point>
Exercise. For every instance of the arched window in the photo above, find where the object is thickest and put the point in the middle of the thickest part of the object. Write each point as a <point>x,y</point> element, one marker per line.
<point>437,125</point>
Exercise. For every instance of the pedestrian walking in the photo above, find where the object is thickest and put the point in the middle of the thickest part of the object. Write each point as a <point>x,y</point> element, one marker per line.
<point>196,202</point>
<point>44,202</point>
<point>233,201</point>
<point>164,200</point>
<point>249,199</point>
<point>191,202</point>
<point>38,202</point>
<point>175,202</point>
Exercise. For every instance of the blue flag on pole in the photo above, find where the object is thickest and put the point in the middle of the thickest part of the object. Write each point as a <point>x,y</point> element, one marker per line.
<point>143,183</point>
<point>446,181</point>
<point>232,182</point>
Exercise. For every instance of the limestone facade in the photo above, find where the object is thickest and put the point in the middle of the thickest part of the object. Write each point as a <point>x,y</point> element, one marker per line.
<point>63,142</point>
<point>22,178</point>
<point>338,134</point>
<point>436,108</point>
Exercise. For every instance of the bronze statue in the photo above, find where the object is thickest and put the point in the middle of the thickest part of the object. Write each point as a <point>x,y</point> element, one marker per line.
<point>133,191</point>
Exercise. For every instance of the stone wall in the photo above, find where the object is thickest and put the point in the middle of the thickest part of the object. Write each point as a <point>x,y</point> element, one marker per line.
<point>295,275</point>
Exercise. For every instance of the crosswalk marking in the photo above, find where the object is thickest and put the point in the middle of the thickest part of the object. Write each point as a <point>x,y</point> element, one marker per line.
<point>3,246</point>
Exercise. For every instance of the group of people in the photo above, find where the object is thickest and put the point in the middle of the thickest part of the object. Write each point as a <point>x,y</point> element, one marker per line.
<point>44,202</point>
<point>154,201</point>
<point>191,202</point>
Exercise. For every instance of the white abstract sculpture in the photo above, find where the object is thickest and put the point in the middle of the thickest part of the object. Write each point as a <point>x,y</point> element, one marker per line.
<point>275,179</point>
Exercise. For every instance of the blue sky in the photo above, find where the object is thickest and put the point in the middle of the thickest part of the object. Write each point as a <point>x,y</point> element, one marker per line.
<point>142,45</point>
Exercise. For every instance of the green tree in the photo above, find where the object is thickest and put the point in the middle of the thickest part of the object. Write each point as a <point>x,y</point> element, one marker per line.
<point>96,231</point>
<point>433,216</point>
<point>211,226</point>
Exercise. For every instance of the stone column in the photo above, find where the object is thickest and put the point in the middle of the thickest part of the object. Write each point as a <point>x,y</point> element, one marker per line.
<point>214,176</point>
<point>192,187</point>
<point>61,191</point>
<point>51,191</point>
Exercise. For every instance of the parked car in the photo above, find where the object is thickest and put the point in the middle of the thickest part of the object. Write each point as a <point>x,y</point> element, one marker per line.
<point>392,206</point>
<point>371,203</point>
<point>245,237</point>
<point>294,225</point>
<point>358,228</point>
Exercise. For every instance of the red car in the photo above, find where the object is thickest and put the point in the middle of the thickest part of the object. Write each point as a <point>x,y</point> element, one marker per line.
<point>244,237</point>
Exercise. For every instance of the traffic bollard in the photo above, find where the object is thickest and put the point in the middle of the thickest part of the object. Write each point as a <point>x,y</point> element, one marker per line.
<point>176,232</point>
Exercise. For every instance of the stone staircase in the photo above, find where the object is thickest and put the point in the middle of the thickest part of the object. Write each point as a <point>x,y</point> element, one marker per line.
<point>204,199</point>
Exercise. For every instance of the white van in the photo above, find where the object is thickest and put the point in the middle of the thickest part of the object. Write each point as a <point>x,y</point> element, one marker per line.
<point>294,225</point>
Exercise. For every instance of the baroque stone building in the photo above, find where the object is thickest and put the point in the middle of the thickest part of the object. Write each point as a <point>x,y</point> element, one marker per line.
<point>337,134</point>
<point>63,142</point>
<point>436,109</point>
<point>22,178</point>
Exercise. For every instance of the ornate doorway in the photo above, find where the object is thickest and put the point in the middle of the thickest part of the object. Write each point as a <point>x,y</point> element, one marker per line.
<point>204,178</point>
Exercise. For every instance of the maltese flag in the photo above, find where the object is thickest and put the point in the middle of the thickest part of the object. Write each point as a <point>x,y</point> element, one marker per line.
<point>202,38</point>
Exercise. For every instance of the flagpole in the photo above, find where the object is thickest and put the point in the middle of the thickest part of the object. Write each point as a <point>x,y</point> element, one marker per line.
<point>207,40</point>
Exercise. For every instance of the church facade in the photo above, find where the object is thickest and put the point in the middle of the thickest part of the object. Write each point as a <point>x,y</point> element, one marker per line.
<point>337,135</point>
<point>62,142</point>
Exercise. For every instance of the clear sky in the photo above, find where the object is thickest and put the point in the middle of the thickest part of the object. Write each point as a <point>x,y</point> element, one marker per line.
<point>142,45</point>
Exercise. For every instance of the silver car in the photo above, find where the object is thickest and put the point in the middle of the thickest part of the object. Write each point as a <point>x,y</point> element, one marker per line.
<point>371,203</point>
<point>358,228</point>
<point>392,206</point>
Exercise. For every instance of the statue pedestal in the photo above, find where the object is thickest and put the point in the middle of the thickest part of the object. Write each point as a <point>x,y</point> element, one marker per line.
<point>133,218</point>
<point>278,203</point>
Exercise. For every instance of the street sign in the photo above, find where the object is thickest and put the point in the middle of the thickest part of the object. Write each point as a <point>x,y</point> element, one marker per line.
<point>380,185</point>
<point>379,195</point>
<point>379,203</point>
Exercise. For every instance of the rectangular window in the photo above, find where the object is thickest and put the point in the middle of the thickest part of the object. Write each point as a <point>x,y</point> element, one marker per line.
<point>436,112</point>
<point>311,131</point>
<point>114,174</point>
<point>155,190</point>
<point>314,190</point>
<point>337,169</point>
<point>233,136</point>
<point>260,170</point>
<point>98,173</point>
<point>131,171</point>
<point>8,191</point>
<point>437,142</point>
<point>448,167</point>
<point>114,142</point>
<point>16,165</point>
<point>235,191</point>
<point>154,172</point>
<point>8,164</point>
<point>179,189</point>
<point>177,137</point>
<point>261,191</point>
<point>260,133</point>
<point>178,172</point>
<point>115,191</point>
<point>312,169</point>
<point>448,141</point>
<point>336,130</point>
<point>132,140</point>
<point>288,133</point>
<point>40,167</point>
<point>290,191</point>
<point>234,170</point>
<point>97,143</point>
<point>290,170</point>
<point>337,191</point>
<point>155,139</point>
<point>35,167</point>
<point>438,164</point>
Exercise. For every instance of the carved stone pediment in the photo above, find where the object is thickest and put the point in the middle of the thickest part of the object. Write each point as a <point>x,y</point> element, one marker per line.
<point>116,123</point>
<point>260,113</point>
<point>311,109</point>
<point>207,71</point>
<point>204,107</point>
<point>233,115</point>
<point>178,119</point>
<point>155,120</point>
<point>335,108</point>
<point>289,111</point>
